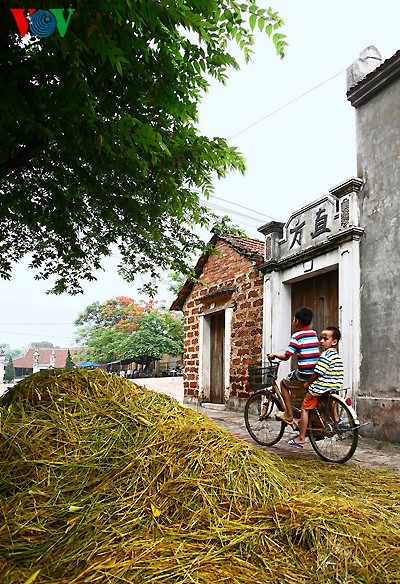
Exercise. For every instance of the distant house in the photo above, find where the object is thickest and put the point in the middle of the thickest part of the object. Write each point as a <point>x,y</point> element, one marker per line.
<point>223,318</point>
<point>36,359</point>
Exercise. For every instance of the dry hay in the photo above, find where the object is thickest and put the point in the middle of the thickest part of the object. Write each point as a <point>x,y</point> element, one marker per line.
<point>105,482</point>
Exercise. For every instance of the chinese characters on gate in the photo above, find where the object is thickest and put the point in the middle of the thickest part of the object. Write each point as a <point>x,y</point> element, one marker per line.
<point>320,227</point>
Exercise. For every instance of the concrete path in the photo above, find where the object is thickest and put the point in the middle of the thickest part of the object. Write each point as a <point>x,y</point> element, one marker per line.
<point>369,453</point>
<point>172,386</point>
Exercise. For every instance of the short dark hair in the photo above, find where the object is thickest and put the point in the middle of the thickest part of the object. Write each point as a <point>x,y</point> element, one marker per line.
<point>304,315</point>
<point>336,334</point>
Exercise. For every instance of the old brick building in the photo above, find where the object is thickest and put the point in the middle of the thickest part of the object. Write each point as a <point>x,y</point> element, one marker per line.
<point>223,319</point>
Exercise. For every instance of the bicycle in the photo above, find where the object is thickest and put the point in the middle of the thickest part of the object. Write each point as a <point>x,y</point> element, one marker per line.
<point>333,424</point>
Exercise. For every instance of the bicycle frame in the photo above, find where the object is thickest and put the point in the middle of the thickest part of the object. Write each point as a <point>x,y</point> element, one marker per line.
<point>333,423</point>
<point>277,392</point>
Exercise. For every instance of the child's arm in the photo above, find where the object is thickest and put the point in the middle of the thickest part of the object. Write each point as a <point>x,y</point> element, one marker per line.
<point>320,370</point>
<point>313,377</point>
<point>280,356</point>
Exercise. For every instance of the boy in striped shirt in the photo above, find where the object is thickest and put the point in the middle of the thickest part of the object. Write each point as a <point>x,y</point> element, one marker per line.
<point>304,344</point>
<point>327,376</point>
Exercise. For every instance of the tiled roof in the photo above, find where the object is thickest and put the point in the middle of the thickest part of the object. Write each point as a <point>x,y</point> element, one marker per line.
<point>26,361</point>
<point>374,81</point>
<point>253,249</point>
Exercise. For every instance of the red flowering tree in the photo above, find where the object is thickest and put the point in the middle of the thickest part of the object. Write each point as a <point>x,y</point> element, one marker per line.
<point>123,328</point>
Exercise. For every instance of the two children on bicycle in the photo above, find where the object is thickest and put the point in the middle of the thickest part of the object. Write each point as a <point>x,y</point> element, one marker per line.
<point>317,374</point>
<point>305,345</point>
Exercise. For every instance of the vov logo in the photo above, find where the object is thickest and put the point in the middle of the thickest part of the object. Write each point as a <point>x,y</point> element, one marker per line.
<point>42,23</point>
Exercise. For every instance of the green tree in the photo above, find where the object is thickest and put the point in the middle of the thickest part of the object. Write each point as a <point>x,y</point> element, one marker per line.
<point>11,352</point>
<point>98,137</point>
<point>9,372</point>
<point>69,364</point>
<point>176,280</point>
<point>42,345</point>
<point>122,328</point>
<point>156,333</point>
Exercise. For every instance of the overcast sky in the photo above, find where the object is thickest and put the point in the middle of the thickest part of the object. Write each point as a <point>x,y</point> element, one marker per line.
<point>291,120</point>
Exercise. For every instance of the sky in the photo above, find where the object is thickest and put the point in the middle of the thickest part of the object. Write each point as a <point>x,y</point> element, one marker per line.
<point>291,120</point>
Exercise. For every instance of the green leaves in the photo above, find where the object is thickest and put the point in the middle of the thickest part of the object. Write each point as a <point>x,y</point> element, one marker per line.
<point>253,21</point>
<point>98,139</point>
<point>122,328</point>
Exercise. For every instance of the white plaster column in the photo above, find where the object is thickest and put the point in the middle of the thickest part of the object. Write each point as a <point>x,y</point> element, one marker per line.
<point>227,351</point>
<point>349,313</point>
<point>36,361</point>
<point>267,317</point>
<point>277,317</point>
<point>2,365</point>
<point>202,356</point>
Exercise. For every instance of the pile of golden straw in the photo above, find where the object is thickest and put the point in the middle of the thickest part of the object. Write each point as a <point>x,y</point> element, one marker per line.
<point>102,481</point>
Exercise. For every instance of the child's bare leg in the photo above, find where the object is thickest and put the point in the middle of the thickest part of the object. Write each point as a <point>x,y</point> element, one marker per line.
<point>287,398</point>
<point>301,438</point>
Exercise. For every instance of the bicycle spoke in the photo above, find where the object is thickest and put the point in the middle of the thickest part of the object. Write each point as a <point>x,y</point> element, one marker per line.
<point>260,421</point>
<point>336,440</point>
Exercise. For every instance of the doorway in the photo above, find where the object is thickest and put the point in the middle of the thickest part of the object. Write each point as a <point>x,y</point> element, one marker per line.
<point>321,294</point>
<point>217,357</point>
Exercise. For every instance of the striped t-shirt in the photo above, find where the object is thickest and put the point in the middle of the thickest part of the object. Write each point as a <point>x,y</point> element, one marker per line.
<point>305,345</point>
<point>330,373</point>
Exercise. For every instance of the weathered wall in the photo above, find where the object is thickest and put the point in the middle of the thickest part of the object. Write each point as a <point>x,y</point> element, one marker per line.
<point>226,271</point>
<point>378,162</point>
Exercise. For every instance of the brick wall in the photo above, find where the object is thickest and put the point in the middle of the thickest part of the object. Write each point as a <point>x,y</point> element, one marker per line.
<point>228,279</point>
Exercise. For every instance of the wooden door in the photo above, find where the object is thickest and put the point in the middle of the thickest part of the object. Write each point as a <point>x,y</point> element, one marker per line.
<point>321,294</point>
<point>217,361</point>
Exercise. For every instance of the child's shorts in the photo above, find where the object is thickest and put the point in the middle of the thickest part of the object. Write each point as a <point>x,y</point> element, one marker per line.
<point>296,388</point>
<point>310,402</point>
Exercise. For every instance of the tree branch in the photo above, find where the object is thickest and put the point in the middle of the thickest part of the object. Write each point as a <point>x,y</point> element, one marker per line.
<point>22,157</point>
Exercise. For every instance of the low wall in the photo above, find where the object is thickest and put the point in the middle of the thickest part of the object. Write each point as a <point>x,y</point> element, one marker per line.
<point>379,418</point>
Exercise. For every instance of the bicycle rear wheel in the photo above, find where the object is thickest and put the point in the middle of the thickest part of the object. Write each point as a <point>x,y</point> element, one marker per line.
<point>260,421</point>
<point>332,440</point>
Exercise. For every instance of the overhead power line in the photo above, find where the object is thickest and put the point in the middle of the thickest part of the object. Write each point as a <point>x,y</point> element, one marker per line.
<point>35,323</point>
<point>34,334</point>
<point>286,105</point>
<point>226,209</point>
<point>245,208</point>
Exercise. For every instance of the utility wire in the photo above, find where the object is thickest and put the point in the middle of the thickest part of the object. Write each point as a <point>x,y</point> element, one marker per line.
<point>243,207</point>
<point>35,323</point>
<point>286,105</point>
<point>34,334</point>
<point>229,212</point>
<point>263,215</point>
<point>225,209</point>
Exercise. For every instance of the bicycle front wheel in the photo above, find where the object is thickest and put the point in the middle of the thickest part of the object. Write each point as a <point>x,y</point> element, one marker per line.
<point>333,433</point>
<point>260,420</point>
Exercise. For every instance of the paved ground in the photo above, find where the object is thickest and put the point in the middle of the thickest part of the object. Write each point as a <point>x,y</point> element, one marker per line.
<point>369,453</point>
<point>172,386</point>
